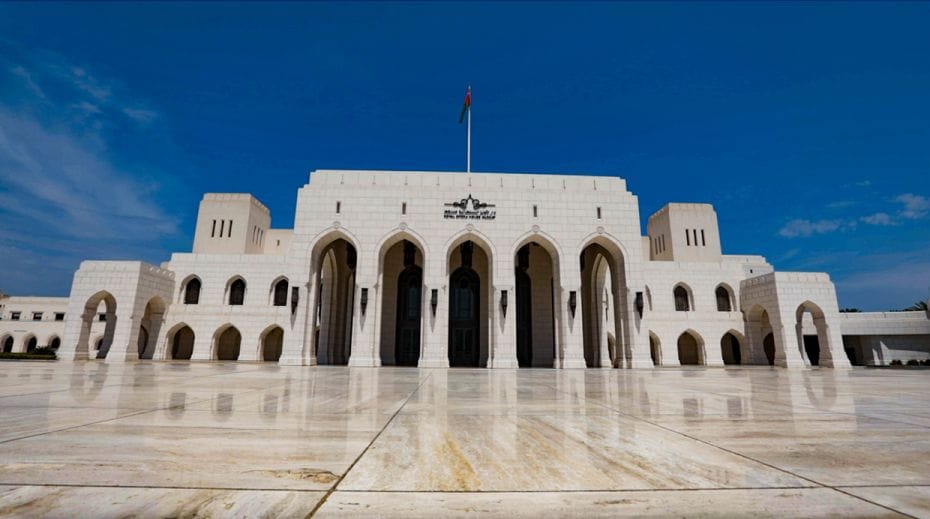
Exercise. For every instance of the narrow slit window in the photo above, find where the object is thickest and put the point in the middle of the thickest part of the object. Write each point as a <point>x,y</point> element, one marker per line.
<point>222,226</point>
<point>229,232</point>
<point>703,243</point>
<point>338,207</point>
<point>403,208</point>
<point>598,213</point>
<point>535,211</point>
<point>687,237</point>
<point>695,236</point>
<point>213,232</point>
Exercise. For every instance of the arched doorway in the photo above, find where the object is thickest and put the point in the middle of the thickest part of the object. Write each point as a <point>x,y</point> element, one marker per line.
<point>150,327</point>
<point>334,314</point>
<point>8,344</point>
<point>99,307</point>
<point>182,343</point>
<point>603,304</point>
<point>31,344</point>
<point>814,345</point>
<point>535,282</point>
<point>730,349</point>
<point>768,346</point>
<point>272,344</point>
<point>401,263</point>
<point>689,350</point>
<point>466,312</point>
<point>55,343</point>
<point>227,344</point>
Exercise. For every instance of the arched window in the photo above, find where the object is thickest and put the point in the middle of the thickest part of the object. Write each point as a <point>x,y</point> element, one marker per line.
<point>280,293</point>
<point>723,299</point>
<point>192,292</point>
<point>682,303</point>
<point>54,343</point>
<point>237,292</point>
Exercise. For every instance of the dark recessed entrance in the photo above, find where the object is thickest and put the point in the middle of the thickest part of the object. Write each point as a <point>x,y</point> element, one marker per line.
<point>464,300</point>
<point>524,309</point>
<point>407,335</point>
<point>768,345</point>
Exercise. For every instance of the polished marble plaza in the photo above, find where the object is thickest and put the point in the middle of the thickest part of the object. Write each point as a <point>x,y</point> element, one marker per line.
<point>90,439</point>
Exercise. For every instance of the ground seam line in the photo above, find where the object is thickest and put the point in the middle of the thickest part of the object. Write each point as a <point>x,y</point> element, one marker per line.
<point>365,450</point>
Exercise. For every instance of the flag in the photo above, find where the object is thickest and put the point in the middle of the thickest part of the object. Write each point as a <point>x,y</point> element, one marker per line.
<point>466,105</point>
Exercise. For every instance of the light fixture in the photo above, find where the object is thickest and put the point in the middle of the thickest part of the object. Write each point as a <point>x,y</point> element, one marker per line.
<point>571,303</point>
<point>364,300</point>
<point>504,302</point>
<point>295,298</point>
<point>434,300</point>
<point>639,304</point>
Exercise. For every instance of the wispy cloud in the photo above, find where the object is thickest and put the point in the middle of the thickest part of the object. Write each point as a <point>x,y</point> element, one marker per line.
<point>877,219</point>
<point>915,206</point>
<point>59,178</point>
<point>804,228</point>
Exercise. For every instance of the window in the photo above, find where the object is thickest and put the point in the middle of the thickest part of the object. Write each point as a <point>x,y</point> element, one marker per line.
<point>192,292</point>
<point>687,237</point>
<point>213,232</point>
<point>695,236</point>
<point>59,316</point>
<point>723,299</point>
<point>280,293</point>
<point>598,213</point>
<point>14,316</point>
<point>682,304</point>
<point>535,211</point>
<point>36,316</point>
<point>338,207</point>
<point>229,232</point>
<point>102,317</point>
<point>403,208</point>
<point>703,243</point>
<point>222,226</point>
<point>237,292</point>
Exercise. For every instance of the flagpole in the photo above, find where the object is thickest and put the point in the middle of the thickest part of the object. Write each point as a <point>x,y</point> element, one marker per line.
<point>468,142</point>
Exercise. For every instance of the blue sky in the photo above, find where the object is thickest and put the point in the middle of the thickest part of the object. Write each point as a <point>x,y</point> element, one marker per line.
<point>807,125</point>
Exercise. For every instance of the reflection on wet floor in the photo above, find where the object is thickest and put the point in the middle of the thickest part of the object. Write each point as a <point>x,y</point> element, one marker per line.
<point>217,429</point>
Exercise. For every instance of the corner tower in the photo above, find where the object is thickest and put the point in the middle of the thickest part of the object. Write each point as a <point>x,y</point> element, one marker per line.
<point>231,223</point>
<point>684,232</point>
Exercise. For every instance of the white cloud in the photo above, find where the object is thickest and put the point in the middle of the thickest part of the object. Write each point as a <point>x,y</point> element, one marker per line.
<point>799,227</point>
<point>140,115</point>
<point>877,219</point>
<point>915,206</point>
<point>63,196</point>
<point>24,74</point>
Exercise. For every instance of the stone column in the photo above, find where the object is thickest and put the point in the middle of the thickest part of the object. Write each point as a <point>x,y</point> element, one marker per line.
<point>434,352</point>
<point>832,353</point>
<point>298,344</point>
<point>504,331</point>
<point>365,327</point>
<point>786,355</point>
<point>572,354</point>
<point>124,346</point>
<point>635,337</point>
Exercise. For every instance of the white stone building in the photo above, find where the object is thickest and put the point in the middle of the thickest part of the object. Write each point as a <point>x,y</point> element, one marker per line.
<point>452,269</point>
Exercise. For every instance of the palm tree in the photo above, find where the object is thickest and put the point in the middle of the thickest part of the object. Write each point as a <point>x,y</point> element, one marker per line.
<point>919,306</point>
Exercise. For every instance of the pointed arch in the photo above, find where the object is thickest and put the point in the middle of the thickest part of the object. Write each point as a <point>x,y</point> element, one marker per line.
<point>271,343</point>
<point>6,343</point>
<point>479,239</point>
<point>684,297</point>
<point>30,342</point>
<point>278,291</point>
<point>227,342</point>
<point>731,347</point>
<point>191,287</point>
<point>655,349</point>
<point>725,297</point>
<point>236,289</point>
<point>691,348</point>
<point>179,342</point>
